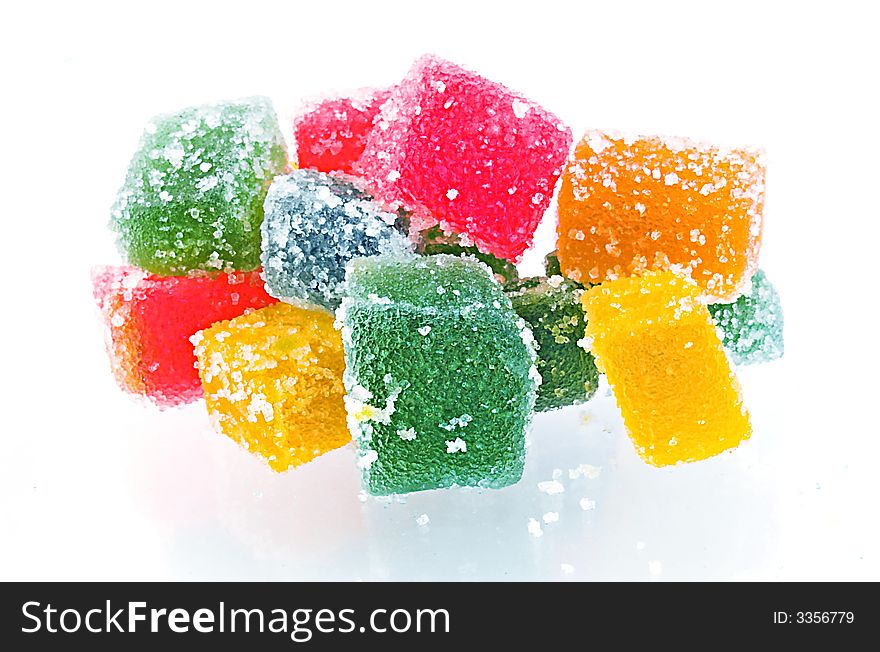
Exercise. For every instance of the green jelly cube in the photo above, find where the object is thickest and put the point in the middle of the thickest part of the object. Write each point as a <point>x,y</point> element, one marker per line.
<point>440,374</point>
<point>193,195</point>
<point>552,268</point>
<point>752,325</point>
<point>551,264</point>
<point>434,241</point>
<point>552,309</point>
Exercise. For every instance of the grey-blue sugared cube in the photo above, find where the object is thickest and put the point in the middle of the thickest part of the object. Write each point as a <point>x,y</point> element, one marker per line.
<point>314,224</point>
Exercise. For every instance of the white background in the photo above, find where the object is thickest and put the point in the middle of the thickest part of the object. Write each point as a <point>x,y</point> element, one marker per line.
<point>96,486</point>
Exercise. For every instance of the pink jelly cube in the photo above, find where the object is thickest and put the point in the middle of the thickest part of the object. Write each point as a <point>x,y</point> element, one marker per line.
<point>150,319</point>
<point>331,134</point>
<point>458,149</point>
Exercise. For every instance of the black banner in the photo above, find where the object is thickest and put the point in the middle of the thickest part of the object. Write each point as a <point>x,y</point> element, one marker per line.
<point>396,616</point>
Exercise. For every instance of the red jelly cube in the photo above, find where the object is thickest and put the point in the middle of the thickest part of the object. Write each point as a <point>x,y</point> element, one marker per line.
<point>150,319</point>
<point>458,149</point>
<point>330,135</point>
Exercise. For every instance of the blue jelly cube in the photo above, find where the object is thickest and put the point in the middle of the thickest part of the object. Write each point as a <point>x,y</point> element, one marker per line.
<point>314,224</point>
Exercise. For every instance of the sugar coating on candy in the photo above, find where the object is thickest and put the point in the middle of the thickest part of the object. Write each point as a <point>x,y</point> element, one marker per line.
<point>434,241</point>
<point>149,320</point>
<point>468,153</point>
<point>753,324</point>
<point>331,134</point>
<point>551,487</point>
<point>630,205</point>
<point>552,309</point>
<point>193,195</point>
<point>584,471</point>
<point>657,344</point>
<point>273,383</point>
<point>314,225</point>
<point>534,528</point>
<point>587,504</point>
<point>440,374</point>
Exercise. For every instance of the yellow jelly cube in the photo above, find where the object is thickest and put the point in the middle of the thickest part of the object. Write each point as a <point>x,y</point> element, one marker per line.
<point>656,342</point>
<point>273,382</point>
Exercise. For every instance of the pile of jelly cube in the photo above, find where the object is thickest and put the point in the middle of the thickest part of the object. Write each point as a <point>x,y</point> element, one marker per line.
<point>367,289</point>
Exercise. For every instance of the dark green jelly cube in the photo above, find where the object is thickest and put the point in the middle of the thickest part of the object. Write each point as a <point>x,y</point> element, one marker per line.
<point>440,374</point>
<point>552,309</point>
<point>753,324</point>
<point>434,241</point>
<point>551,264</point>
<point>552,268</point>
<point>193,195</point>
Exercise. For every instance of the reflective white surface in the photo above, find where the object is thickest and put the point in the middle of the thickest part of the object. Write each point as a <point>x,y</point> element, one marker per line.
<point>160,494</point>
<point>95,486</point>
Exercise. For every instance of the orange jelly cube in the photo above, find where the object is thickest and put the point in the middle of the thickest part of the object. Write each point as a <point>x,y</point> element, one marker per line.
<point>631,205</point>
<point>656,342</point>
<point>273,382</point>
